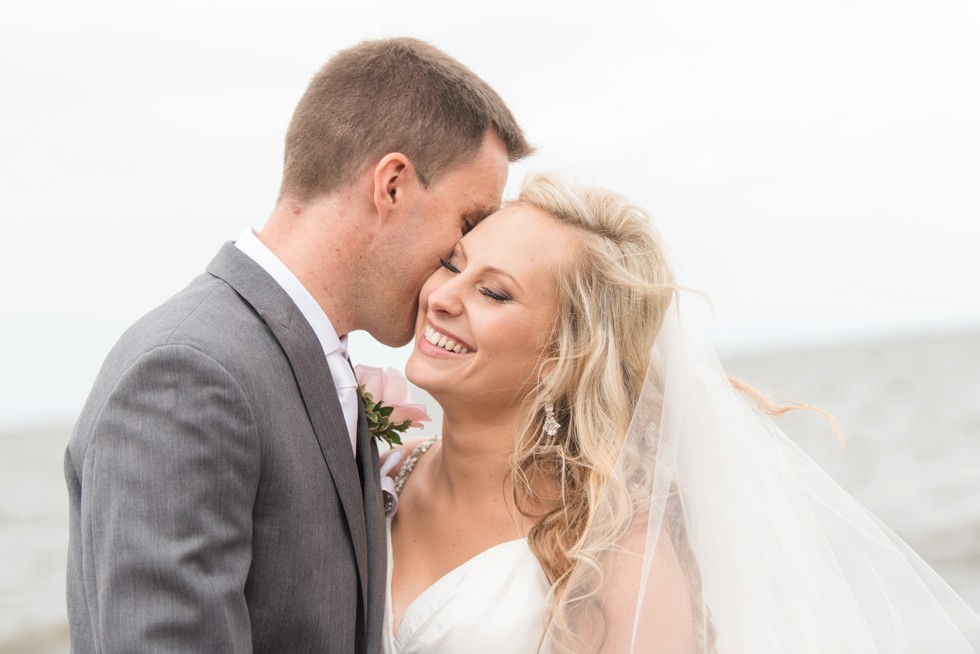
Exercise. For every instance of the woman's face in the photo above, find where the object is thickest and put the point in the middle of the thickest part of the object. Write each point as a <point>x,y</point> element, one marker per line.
<point>486,314</point>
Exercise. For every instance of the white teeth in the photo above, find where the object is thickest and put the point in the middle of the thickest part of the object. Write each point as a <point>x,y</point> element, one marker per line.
<point>443,341</point>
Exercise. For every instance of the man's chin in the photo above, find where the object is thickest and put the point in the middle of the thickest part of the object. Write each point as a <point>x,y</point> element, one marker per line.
<point>392,338</point>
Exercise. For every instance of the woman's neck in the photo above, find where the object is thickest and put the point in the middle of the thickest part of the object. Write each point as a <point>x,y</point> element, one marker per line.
<point>472,465</point>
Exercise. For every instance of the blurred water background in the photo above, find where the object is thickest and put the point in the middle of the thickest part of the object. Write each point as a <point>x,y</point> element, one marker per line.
<point>910,409</point>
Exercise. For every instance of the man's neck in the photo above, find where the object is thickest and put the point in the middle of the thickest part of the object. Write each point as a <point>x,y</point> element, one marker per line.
<point>318,243</point>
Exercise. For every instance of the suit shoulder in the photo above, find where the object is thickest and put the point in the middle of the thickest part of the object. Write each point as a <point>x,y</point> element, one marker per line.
<point>207,315</point>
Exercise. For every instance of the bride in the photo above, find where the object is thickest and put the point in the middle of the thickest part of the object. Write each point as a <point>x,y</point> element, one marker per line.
<point>601,486</point>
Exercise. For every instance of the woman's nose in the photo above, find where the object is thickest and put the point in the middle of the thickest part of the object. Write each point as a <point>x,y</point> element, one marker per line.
<point>445,297</point>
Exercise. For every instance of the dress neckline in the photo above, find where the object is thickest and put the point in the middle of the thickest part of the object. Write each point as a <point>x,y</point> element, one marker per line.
<point>406,469</point>
<point>441,581</point>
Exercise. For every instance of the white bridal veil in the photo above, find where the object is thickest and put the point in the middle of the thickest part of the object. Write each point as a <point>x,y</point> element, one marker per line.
<point>717,521</point>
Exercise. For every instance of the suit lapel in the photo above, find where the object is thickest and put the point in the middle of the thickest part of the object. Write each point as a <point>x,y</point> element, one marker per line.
<point>377,542</point>
<point>309,365</point>
<point>320,397</point>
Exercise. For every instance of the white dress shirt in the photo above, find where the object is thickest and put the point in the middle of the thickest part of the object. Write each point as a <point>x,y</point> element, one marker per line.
<point>334,347</point>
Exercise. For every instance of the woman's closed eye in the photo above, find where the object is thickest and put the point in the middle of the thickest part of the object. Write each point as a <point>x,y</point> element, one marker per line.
<point>495,295</point>
<point>448,264</point>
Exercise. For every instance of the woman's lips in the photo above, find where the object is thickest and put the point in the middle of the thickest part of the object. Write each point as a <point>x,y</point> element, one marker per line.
<point>443,340</point>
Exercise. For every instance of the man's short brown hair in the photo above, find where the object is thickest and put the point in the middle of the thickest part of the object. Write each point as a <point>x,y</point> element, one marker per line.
<point>394,95</point>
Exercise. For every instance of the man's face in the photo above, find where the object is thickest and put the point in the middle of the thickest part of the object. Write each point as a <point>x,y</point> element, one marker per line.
<point>437,218</point>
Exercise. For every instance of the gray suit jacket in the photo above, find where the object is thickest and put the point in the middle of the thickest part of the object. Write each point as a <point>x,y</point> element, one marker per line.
<point>216,505</point>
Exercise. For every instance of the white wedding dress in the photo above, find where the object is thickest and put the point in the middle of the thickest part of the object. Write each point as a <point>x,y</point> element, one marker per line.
<point>773,556</point>
<point>494,603</point>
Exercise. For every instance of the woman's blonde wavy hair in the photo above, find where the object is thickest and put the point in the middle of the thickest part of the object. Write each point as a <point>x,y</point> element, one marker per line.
<point>612,299</point>
<point>613,296</point>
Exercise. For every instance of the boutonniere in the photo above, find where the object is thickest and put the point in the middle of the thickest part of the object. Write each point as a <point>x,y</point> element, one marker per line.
<point>388,403</point>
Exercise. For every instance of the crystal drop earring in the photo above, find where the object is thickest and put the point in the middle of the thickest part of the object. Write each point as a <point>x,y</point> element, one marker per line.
<point>550,424</point>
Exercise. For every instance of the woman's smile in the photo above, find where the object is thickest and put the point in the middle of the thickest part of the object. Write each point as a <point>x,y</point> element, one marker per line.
<point>442,339</point>
<point>492,302</point>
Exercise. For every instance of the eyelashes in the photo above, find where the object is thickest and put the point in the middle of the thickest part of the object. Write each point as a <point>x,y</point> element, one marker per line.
<point>496,296</point>
<point>493,295</point>
<point>448,265</point>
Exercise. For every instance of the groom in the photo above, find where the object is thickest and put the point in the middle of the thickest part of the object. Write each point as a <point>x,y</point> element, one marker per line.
<point>223,486</point>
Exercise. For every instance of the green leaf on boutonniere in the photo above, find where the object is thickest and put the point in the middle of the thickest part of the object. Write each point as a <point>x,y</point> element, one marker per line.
<point>378,415</point>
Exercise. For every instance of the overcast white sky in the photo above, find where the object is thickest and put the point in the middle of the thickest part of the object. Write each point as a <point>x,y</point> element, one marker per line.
<point>814,165</point>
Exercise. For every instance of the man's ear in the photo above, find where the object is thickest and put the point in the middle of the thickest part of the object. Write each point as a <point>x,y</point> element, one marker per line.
<point>393,178</point>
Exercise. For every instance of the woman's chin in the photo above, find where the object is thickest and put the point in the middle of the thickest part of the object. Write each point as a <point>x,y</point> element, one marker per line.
<point>433,369</point>
<point>422,375</point>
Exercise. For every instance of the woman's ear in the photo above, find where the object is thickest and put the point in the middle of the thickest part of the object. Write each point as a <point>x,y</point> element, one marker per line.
<point>545,371</point>
<point>394,176</point>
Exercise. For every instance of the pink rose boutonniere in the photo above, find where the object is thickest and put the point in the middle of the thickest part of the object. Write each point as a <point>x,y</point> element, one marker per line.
<point>388,403</point>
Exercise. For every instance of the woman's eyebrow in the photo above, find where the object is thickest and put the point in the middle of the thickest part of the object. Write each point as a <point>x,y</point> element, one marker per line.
<point>491,269</point>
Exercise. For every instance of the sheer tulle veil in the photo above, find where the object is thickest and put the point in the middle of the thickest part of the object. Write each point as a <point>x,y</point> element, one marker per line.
<point>716,521</point>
